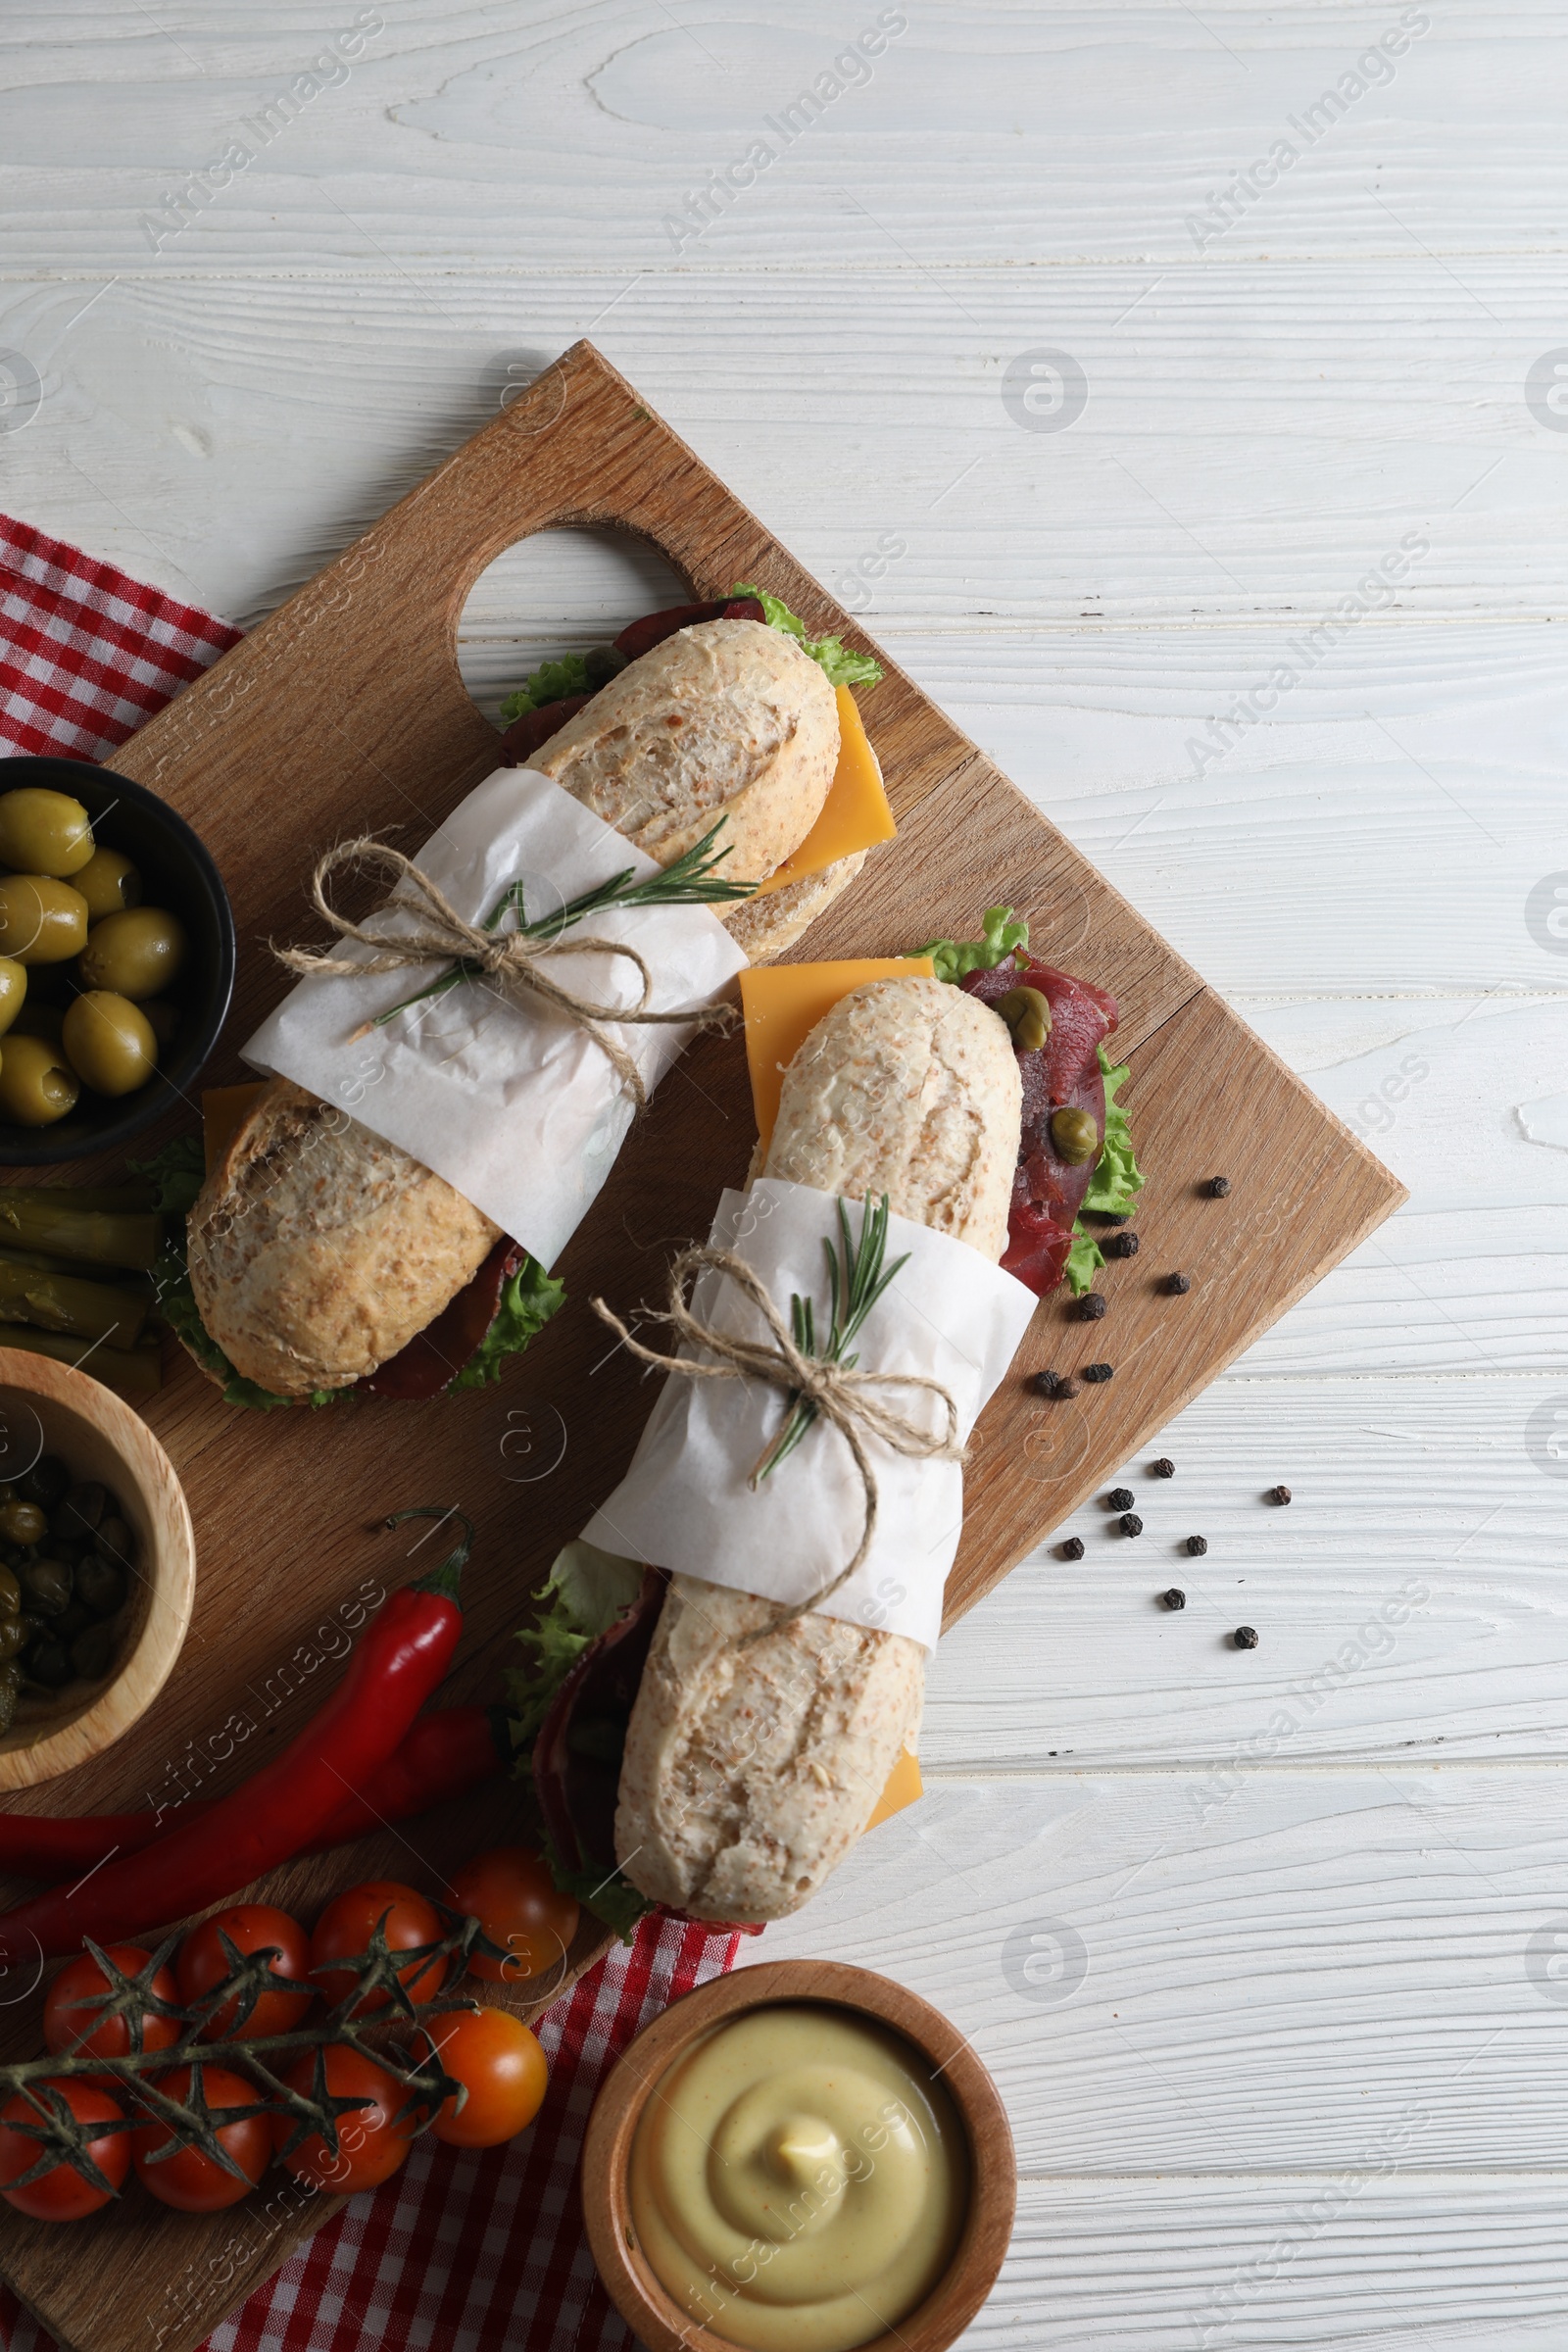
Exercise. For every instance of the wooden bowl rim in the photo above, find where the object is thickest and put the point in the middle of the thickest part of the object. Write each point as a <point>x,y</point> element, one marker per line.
<point>150,1660</point>
<point>648,2308</point>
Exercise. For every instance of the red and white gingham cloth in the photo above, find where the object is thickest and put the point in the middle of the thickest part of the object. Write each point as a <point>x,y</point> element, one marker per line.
<point>461,2250</point>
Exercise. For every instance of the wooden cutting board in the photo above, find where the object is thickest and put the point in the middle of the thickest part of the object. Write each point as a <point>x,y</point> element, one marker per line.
<point>344,712</point>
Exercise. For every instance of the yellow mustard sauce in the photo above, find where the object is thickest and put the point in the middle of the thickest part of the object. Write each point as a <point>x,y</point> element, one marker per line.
<point>799,2179</point>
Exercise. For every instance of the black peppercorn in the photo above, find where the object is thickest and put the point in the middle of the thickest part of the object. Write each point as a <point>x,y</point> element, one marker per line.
<point>1097,1372</point>
<point>1197,1546</point>
<point>1071,1549</point>
<point>1244,1638</point>
<point>1120,1245</point>
<point>1163,1468</point>
<point>1130,1524</point>
<point>1091,1306</point>
<point>1178,1285</point>
<point>1066,1387</point>
<point>1175,1598</point>
<point>1279,1494</point>
<point>1121,1499</point>
<point>1045,1384</point>
<point>1218,1187</point>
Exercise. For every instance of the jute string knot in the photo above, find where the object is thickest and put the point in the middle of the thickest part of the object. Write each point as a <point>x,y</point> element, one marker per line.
<point>511,960</point>
<point>847,1399</point>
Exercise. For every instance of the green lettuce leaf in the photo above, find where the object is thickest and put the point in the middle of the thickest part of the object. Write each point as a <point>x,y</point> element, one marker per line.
<point>528,1300</point>
<point>953,957</point>
<point>832,656</point>
<point>176,1175</point>
<point>583,1595</point>
<point>1114,1186</point>
<point>549,683</point>
<point>614,1900</point>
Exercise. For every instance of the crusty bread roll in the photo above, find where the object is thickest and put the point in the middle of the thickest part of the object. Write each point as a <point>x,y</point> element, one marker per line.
<point>749,1774</point>
<point>316,1250</point>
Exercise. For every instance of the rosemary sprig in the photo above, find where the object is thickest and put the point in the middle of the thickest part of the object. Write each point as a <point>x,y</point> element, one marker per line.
<point>375,1975</point>
<point>857,1279</point>
<point>693,880</point>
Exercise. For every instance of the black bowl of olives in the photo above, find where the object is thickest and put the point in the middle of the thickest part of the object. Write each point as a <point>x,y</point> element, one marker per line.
<point>117,960</point>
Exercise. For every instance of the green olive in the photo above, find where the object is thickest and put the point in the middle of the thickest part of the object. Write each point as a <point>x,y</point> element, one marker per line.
<point>47,1584</point>
<point>109,883</point>
<point>41,920</point>
<point>12,1637</point>
<point>1073,1132</point>
<point>1027,1014</point>
<point>100,1585</point>
<point>37,1086</point>
<point>114,1536</point>
<point>81,1511</point>
<point>23,1523</point>
<point>13,990</point>
<point>10,1594</point>
<point>43,832</point>
<point>109,1043</point>
<point>135,954</point>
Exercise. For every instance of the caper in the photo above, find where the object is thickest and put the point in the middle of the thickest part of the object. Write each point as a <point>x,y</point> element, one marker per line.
<point>134,955</point>
<point>100,1585</point>
<point>80,1512</point>
<point>42,920</point>
<point>92,1651</point>
<point>1075,1135</point>
<point>12,1637</point>
<point>43,832</point>
<point>23,1523</point>
<point>109,883</point>
<point>1027,1014</point>
<point>46,1482</point>
<point>13,990</point>
<point>115,1538</point>
<point>109,1043</point>
<point>49,1663</point>
<point>38,1084</point>
<point>47,1585</point>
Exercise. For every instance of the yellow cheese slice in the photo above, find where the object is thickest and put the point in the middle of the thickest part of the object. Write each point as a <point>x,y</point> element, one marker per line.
<point>905,1784</point>
<point>783,1003</point>
<point>225,1111</point>
<point>855,815</point>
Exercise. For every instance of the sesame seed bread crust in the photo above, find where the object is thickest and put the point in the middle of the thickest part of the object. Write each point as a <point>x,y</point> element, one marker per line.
<point>318,1249</point>
<point>749,1773</point>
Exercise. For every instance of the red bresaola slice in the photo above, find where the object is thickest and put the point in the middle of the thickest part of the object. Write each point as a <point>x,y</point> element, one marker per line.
<point>436,1355</point>
<point>1062,1073</point>
<point>576,1757</point>
<point>643,635</point>
<point>534,728</point>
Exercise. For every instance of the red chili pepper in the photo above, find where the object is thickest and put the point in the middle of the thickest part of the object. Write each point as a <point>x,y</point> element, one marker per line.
<point>449,1751</point>
<point>286,1805</point>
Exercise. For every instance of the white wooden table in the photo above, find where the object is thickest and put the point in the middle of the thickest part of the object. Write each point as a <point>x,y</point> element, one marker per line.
<point>1262,1947</point>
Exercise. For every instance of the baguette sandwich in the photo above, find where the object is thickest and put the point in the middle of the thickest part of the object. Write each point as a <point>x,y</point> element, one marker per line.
<point>748,1771</point>
<point>321,1257</point>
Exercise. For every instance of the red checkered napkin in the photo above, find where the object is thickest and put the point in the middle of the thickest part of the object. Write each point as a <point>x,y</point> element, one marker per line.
<point>458,2249</point>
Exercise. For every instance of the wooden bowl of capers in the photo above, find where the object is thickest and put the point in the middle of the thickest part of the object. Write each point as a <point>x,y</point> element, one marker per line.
<point>97,1568</point>
<point>117,960</point>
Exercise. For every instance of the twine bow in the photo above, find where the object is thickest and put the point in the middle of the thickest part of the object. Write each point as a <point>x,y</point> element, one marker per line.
<point>513,960</point>
<point>838,1393</point>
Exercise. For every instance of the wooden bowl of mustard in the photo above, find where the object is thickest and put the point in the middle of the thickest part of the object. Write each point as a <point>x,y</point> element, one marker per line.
<point>50,1409</point>
<point>799,2157</point>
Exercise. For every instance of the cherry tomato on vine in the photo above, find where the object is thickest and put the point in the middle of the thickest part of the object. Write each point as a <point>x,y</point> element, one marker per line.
<point>191,2181</point>
<point>76,1993</point>
<point>345,1928</point>
<point>516,1901</point>
<point>371,2144</point>
<point>251,1928</point>
<point>61,2194</point>
<point>500,2064</point>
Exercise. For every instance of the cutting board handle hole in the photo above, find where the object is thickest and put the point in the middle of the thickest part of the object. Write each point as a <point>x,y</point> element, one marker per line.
<point>557,591</point>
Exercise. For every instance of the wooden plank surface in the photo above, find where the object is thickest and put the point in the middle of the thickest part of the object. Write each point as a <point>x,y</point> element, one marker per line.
<point>373,642</point>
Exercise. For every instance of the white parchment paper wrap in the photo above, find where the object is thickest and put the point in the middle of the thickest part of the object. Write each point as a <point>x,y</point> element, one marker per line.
<point>518,1109</point>
<point>685,1504</point>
